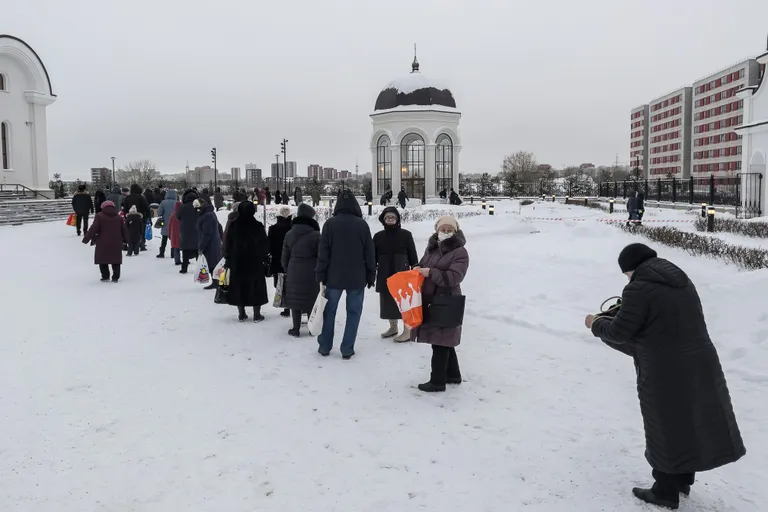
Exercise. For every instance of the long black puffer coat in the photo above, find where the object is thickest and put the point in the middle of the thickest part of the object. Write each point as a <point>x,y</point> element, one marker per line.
<point>245,250</point>
<point>276,235</point>
<point>395,252</point>
<point>687,413</point>
<point>187,217</point>
<point>299,258</point>
<point>209,235</point>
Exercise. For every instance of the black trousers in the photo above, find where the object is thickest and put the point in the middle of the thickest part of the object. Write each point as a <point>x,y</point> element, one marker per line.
<point>82,221</point>
<point>105,271</point>
<point>296,317</point>
<point>445,365</point>
<point>668,486</point>
<point>133,249</point>
<point>187,255</point>
<point>163,244</point>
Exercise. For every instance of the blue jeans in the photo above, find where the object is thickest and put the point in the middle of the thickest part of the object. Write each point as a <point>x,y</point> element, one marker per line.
<point>354,312</point>
<point>176,253</point>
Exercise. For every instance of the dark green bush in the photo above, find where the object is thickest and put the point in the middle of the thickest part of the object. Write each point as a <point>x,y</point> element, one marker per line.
<point>739,227</point>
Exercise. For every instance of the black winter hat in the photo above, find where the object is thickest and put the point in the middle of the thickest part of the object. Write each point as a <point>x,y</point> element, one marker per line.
<point>634,255</point>
<point>306,211</point>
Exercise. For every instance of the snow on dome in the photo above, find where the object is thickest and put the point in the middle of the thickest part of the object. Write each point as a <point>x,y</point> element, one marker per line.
<point>412,82</point>
<point>414,89</point>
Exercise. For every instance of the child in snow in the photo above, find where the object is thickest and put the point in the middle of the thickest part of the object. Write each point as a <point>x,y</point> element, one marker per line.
<point>109,233</point>
<point>135,222</point>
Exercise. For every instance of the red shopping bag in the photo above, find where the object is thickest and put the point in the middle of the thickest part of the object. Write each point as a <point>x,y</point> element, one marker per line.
<point>405,288</point>
<point>72,220</point>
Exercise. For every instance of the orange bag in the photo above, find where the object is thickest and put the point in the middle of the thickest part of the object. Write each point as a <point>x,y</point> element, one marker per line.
<point>72,220</point>
<point>405,288</point>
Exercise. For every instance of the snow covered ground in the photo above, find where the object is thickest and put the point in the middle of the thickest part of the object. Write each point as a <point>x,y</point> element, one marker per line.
<point>146,396</point>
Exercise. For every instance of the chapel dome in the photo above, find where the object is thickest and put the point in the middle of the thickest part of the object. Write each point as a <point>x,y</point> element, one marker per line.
<point>414,89</point>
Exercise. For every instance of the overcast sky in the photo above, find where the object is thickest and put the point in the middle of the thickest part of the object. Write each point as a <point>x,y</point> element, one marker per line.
<point>169,79</point>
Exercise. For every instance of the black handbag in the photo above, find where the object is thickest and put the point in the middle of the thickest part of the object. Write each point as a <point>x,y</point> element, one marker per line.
<point>159,223</point>
<point>222,295</point>
<point>445,311</point>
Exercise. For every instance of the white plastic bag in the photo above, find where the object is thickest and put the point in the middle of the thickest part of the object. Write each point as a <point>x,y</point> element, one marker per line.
<point>218,270</point>
<point>315,323</point>
<point>202,274</point>
<point>279,301</point>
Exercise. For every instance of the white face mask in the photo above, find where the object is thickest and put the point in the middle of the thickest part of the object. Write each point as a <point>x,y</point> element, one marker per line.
<point>443,236</point>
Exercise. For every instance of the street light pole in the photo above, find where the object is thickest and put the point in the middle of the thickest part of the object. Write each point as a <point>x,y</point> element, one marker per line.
<point>283,146</point>
<point>113,171</point>
<point>215,171</point>
<point>277,171</point>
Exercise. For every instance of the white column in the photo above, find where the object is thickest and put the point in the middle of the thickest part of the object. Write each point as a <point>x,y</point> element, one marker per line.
<point>37,177</point>
<point>455,180</point>
<point>429,171</point>
<point>397,169</point>
<point>375,176</point>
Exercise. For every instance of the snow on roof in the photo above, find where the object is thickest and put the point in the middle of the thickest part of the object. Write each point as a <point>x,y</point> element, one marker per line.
<point>412,82</point>
<point>417,108</point>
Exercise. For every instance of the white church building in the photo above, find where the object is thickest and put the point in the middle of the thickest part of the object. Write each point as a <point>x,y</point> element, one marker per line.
<point>25,92</point>
<point>415,143</point>
<point>754,183</point>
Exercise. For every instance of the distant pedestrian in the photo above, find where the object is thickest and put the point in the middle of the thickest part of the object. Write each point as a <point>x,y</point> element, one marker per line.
<point>218,199</point>
<point>276,235</point>
<point>165,212</point>
<point>150,196</point>
<point>298,197</point>
<point>209,235</point>
<point>187,217</point>
<point>174,233</point>
<point>108,233</point>
<point>285,197</point>
<point>82,204</point>
<point>98,199</point>
<point>278,197</point>
<point>268,195</point>
<point>402,198</point>
<point>299,259</point>
<point>135,223</point>
<point>135,198</point>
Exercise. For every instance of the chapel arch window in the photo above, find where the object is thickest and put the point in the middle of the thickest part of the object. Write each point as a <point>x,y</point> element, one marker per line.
<point>383,165</point>
<point>443,163</point>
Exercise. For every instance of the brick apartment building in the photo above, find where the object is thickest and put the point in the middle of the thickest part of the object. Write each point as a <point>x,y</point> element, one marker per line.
<point>690,132</point>
<point>716,112</point>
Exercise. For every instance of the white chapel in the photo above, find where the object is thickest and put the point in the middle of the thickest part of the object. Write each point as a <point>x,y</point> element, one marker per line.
<point>25,92</point>
<point>415,143</point>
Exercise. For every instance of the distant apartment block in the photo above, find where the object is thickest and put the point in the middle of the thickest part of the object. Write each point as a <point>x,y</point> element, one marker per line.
<point>638,139</point>
<point>716,112</point>
<point>236,173</point>
<point>277,170</point>
<point>290,169</point>
<point>100,176</point>
<point>329,173</point>
<point>690,132</point>
<point>669,135</point>
<point>344,175</point>
<point>315,171</point>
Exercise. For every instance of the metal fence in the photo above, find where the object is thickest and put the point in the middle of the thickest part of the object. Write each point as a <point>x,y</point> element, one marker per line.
<point>744,191</point>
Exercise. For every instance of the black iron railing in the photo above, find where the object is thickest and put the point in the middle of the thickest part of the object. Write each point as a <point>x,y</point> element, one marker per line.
<point>21,189</point>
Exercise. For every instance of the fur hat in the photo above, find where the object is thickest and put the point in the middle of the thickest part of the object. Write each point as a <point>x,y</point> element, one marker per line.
<point>447,221</point>
<point>132,210</point>
<point>634,255</point>
<point>284,212</point>
<point>306,211</point>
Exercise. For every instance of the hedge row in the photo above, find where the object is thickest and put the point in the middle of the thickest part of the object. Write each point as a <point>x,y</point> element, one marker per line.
<point>698,245</point>
<point>323,213</point>
<point>751,229</point>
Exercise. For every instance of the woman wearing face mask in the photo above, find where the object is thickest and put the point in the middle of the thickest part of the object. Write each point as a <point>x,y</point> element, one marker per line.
<point>395,252</point>
<point>687,413</point>
<point>444,266</point>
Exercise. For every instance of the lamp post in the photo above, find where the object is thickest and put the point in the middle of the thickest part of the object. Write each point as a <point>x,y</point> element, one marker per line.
<point>277,172</point>
<point>215,172</point>
<point>283,145</point>
<point>113,171</point>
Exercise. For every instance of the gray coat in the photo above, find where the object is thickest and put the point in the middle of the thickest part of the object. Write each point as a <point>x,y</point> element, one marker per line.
<point>299,260</point>
<point>687,413</point>
<point>165,210</point>
<point>448,262</point>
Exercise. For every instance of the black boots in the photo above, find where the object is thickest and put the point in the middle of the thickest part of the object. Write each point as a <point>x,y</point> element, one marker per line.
<point>241,315</point>
<point>257,316</point>
<point>445,370</point>
<point>430,387</point>
<point>648,496</point>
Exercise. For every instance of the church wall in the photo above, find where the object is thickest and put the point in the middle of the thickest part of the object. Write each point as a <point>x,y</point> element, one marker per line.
<point>15,110</point>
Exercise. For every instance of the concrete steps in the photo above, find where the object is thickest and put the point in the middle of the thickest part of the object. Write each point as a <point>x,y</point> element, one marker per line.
<point>16,211</point>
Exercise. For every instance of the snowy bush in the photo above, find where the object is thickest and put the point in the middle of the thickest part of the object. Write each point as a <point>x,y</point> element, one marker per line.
<point>751,229</point>
<point>698,245</point>
<point>526,202</point>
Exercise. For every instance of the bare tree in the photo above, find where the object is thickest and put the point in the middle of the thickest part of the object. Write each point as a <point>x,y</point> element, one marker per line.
<point>517,170</point>
<point>141,172</point>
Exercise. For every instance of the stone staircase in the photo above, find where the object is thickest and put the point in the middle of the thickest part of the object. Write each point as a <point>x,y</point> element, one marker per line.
<point>16,211</point>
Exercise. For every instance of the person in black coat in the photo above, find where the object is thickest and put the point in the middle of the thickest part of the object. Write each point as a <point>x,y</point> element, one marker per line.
<point>402,198</point>
<point>98,199</point>
<point>267,195</point>
<point>187,217</point>
<point>368,195</point>
<point>299,259</point>
<point>150,196</point>
<point>82,204</point>
<point>689,421</point>
<point>218,199</point>
<point>395,252</point>
<point>453,198</point>
<point>286,197</point>
<point>245,254</point>
<point>142,206</point>
<point>276,236</point>
<point>278,198</point>
<point>346,263</point>
<point>209,235</point>
<point>134,221</point>
<point>206,196</point>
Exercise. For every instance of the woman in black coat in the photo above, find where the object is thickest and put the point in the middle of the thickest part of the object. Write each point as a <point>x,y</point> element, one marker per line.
<point>299,258</point>
<point>276,236</point>
<point>245,251</point>
<point>209,235</point>
<point>98,199</point>
<point>395,252</point>
<point>687,413</point>
<point>187,217</point>
<point>278,198</point>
